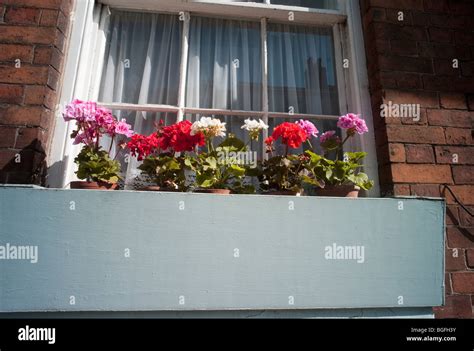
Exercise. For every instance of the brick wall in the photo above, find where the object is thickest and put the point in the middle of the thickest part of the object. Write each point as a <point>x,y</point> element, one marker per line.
<point>33,37</point>
<point>422,52</point>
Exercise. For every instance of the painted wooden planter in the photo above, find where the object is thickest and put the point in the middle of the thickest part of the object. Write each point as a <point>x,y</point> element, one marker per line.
<point>162,251</point>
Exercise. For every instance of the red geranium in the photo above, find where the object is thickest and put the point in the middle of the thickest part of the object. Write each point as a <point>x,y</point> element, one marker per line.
<point>142,145</point>
<point>291,134</point>
<point>178,138</point>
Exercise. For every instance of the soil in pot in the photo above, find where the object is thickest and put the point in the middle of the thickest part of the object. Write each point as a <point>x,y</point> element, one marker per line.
<point>213,191</point>
<point>338,191</point>
<point>94,185</point>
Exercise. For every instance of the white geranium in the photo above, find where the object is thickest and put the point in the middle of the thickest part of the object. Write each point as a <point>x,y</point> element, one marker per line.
<point>210,127</point>
<point>254,127</point>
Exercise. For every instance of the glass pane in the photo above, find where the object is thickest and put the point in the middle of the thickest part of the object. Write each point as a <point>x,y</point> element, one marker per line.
<point>317,4</point>
<point>224,64</point>
<point>142,59</point>
<point>301,70</point>
<point>322,125</point>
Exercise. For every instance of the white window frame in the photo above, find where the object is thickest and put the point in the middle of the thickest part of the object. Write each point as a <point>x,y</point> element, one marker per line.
<point>87,44</point>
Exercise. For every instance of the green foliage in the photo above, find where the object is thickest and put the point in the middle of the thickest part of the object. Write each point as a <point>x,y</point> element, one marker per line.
<point>166,170</point>
<point>322,171</point>
<point>96,165</point>
<point>215,170</point>
<point>283,173</point>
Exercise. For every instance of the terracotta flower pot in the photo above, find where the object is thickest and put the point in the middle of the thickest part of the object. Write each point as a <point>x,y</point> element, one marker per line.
<point>284,192</point>
<point>213,191</point>
<point>159,188</point>
<point>338,191</point>
<point>94,185</point>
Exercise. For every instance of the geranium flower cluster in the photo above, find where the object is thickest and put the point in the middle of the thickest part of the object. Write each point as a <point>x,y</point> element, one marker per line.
<point>291,134</point>
<point>93,122</point>
<point>210,127</point>
<point>178,137</point>
<point>353,123</point>
<point>174,138</point>
<point>142,146</point>
<point>254,127</point>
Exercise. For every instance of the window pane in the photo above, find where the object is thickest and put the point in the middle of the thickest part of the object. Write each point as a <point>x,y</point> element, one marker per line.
<point>301,70</point>
<point>318,4</point>
<point>224,64</point>
<point>142,59</point>
<point>322,125</point>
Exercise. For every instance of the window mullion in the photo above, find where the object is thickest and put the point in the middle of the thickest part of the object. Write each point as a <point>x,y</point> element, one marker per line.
<point>183,68</point>
<point>264,77</point>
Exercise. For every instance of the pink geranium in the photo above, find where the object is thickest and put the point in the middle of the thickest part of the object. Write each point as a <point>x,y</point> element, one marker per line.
<point>353,123</point>
<point>309,128</point>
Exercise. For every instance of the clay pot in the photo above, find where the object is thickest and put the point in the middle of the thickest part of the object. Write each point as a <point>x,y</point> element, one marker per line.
<point>213,191</point>
<point>94,185</point>
<point>158,188</point>
<point>338,191</point>
<point>284,192</point>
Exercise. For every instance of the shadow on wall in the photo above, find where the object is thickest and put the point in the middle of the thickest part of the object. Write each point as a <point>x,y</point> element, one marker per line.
<point>28,166</point>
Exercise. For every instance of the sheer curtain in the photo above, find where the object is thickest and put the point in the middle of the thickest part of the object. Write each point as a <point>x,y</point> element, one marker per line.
<point>141,66</point>
<point>224,67</point>
<point>301,73</point>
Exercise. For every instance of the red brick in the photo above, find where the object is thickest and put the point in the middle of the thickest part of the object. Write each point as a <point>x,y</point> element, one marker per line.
<point>463,37</point>
<point>34,94</point>
<point>50,4</point>
<point>24,75</point>
<point>426,190</point>
<point>455,260</point>
<point>398,4</point>
<point>22,15</point>
<point>470,102</point>
<point>457,306</point>
<point>458,136</point>
<point>401,190</point>
<point>7,136</point>
<point>49,18</point>
<point>411,173</point>
<point>420,19</point>
<point>463,174</point>
<point>452,215</point>
<point>465,218</point>
<point>447,284</point>
<point>451,154</point>
<point>470,257</point>
<point>408,80</point>
<point>425,99</point>
<point>53,79</point>
<point>62,23</point>
<point>397,153</point>
<point>22,115</point>
<point>461,6</point>
<point>463,283</point>
<point>440,35</point>
<point>450,118</point>
<point>464,193</point>
<point>13,52</point>
<point>31,138</point>
<point>444,67</point>
<point>419,154</point>
<point>405,64</point>
<point>404,47</point>
<point>458,238</point>
<point>28,35</point>
<point>12,94</point>
<point>436,6</point>
<point>467,69</point>
<point>8,160</point>
<point>415,134</point>
<point>438,83</point>
<point>453,101</point>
